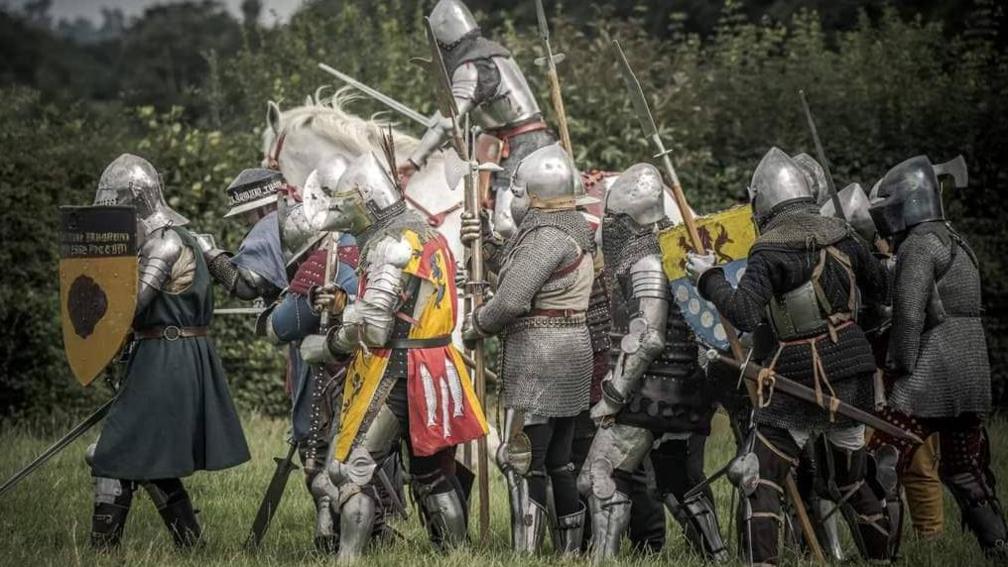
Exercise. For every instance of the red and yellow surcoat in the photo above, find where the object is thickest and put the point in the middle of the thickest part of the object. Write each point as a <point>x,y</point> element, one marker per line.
<point>443,408</point>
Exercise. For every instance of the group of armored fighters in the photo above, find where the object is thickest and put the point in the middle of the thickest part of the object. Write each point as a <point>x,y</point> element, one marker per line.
<point>608,397</point>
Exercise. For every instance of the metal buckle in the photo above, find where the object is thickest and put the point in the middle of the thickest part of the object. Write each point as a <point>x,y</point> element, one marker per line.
<point>171,333</point>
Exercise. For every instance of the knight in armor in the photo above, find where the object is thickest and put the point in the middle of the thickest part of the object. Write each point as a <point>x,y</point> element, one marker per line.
<point>270,251</point>
<point>545,273</point>
<point>405,379</point>
<point>174,414</point>
<point>489,87</point>
<point>806,276</point>
<point>655,406</point>
<point>937,353</point>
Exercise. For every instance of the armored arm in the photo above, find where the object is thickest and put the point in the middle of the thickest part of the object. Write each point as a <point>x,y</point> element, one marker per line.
<point>370,319</point>
<point>158,256</point>
<point>240,282</point>
<point>532,263</point>
<point>912,288</point>
<point>745,305</point>
<point>289,320</point>
<point>646,337</point>
<point>464,83</point>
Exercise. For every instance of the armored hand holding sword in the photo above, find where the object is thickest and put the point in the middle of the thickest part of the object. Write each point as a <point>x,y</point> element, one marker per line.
<point>806,275</point>
<point>405,380</point>
<point>937,356</point>
<point>174,414</point>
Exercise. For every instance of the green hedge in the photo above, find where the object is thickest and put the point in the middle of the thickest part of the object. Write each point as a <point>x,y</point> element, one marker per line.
<point>882,92</point>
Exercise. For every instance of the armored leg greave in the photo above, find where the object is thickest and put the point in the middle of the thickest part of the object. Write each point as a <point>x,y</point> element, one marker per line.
<point>699,522</point>
<point>965,469</point>
<point>443,512</point>
<point>761,517</point>
<point>112,500</point>
<point>176,510</point>
<point>356,520</point>
<point>570,533</point>
<point>610,518</point>
<point>859,502</point>
<point>327,522</point>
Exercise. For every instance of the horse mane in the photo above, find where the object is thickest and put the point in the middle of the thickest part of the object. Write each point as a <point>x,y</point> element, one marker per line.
<point>328,118</point>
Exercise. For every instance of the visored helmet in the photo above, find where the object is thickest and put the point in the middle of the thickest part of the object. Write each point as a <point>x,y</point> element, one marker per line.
<point>855,204</point>
<point>132,181</point>
<point>450,20</point>
<point>907,195</point>
<point>318,190</point>
<point>253,188</point>
<point>637,193</point>
<point>548,179</point>
<point>777,181</point>
<point>363,192</point>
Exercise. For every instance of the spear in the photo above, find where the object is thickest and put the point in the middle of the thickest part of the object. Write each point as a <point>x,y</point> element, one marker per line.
<point>647,122</point>
<point>821,154</point>
<point>475,283</point>
<point>550,60</point>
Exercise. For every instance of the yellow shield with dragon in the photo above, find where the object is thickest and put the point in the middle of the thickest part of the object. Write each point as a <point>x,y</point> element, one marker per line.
<point>729,235</point>
<point>98,285</point>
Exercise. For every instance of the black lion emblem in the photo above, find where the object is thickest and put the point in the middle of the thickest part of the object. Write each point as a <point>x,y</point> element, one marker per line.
<point>86,304</point>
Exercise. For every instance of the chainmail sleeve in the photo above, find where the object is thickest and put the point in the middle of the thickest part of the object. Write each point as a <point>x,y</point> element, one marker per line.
<point>532,262</point>
<point>912,288</point>
<point>872,277</point>
<point>745,305</point>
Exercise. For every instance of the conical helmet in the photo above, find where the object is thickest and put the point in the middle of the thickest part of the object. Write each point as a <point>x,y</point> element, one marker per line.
<point>777,181</point>
<point>855,204</point>
<point>318,190</point>
<point>450,20</point>
<point>637,193</point>
<point>132,181</point>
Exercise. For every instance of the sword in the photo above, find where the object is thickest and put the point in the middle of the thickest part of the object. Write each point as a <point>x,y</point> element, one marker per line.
<point>71,436</point>
<point>752,372</point>
<point>822,156</point>
<point>271,500</point>
<point>379,96</point>
<point>550,60</point>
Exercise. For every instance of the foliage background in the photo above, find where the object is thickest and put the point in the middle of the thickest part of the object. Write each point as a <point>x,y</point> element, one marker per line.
<point>186,85</point>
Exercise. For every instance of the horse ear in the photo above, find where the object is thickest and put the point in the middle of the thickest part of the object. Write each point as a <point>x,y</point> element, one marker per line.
<point>308,101</point>
<point>273,117</point>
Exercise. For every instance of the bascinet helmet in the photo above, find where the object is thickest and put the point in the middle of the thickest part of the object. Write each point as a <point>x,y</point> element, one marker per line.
<point>253,188</point>
<point>450,20</point>
<point>777,181</point>
<point>637,193</point>
<point>907,195</point>
<point>363,193</point>
<point>318,190</point>
<point>816,176</point>
<point>132,181</point>
<point>855,204</point>
<point>547,179</point>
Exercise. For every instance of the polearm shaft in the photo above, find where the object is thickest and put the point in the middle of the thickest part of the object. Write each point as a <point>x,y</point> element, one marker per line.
<point>754,373</point>
<point>448,108</point>
<point>647,122</point>
<point>821,154</point>
<point>71,436</point>
<point>556,95</point>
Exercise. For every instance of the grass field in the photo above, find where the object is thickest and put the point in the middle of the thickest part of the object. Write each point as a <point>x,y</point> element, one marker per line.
<point>45,520</point>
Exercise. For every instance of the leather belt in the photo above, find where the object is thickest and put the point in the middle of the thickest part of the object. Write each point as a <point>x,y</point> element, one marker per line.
<point>170,333</point>
<point>431,342</point>
<point>565,313</point>
<point>524,128</point>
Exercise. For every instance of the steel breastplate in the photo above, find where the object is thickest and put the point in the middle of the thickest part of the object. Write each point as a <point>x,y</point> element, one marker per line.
<point>511,103</point>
